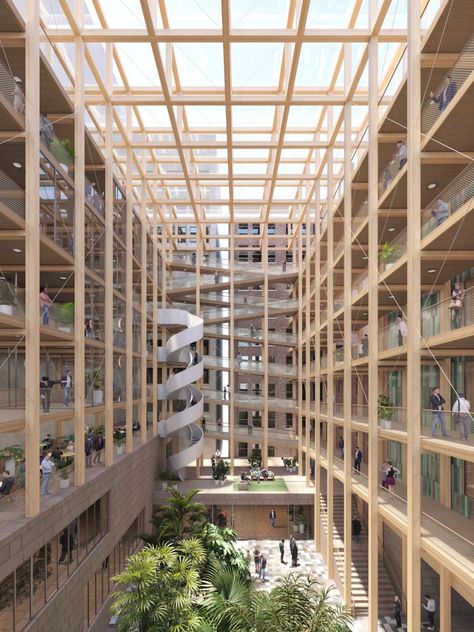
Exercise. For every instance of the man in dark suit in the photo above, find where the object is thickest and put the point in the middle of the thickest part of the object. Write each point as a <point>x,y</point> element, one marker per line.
<point>282,551</point>
<point>357,460</point>
<point>437,401</point>
<point>272,515</point>
<point>446,94</point>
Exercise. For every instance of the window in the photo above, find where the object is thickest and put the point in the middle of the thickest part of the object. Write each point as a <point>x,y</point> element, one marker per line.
<point>289,420</point>
<point>243,417</point>
<point>271,257</point>
<point>243,256</point>
<point>271,419</point>
<point>289,360</point>
<point>255,229</point>
<point>243,229</point>
<point>271,390</point>
<point>289,390</point>
<point>256,256</point>
<point>289,257</point>
<point>271,450</point>
<point>243,388</point>
<point>205,346</point>
<point>271,229</point>
<point>205,376</point>
<point>243,449</point>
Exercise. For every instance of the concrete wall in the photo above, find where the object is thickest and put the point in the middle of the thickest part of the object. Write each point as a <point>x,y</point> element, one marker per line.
<point>130,483</point>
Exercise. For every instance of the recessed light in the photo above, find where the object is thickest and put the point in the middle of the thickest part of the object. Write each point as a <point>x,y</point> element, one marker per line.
<point>365,258</point>
<point>431,270</point>
<point>17,250</point>
<point>432,185</point>
<point>391,296</point>
<point>365,314</point>
<point>17,165</point>
<point>63,278</point>
<point>391,229</point>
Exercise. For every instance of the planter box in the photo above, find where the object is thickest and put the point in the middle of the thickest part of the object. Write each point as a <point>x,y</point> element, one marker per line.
<point>385,423</point>
<point>97,397</point>
<point>6,309</point>
<point>301,528</point>
<point>119,450</point>
<point>63,483</point>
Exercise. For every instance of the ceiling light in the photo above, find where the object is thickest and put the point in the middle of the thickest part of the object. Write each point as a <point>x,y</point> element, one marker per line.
<point>365,258</point>
<point>365,314</point>
<point>391,296</point>
<point>17,165</point>
<point>432,185</point>
<point>431,270</point>
<point>391,229</point>
<point>17,250</point>
<point>63,278</point>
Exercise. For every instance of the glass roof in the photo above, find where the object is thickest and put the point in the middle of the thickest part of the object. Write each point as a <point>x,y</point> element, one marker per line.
<point>233,102</point>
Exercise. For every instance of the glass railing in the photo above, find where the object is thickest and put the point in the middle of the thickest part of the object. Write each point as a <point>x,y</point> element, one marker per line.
<point>394,165</point>
<point>253,334</point>
<point>10,87</point>
<point>391,335</point>
<point>12,195</point>
<point>244,365</point>
<point>56,205</point>
<point>93,197</point>
<point>359,216</point>
<point>360,284</point>
<point>213,261</point>
<point>442,96</point>
<point>456,314</point>
<point>452,198</point>
<point>360,348</point>
<point>60,149</point>
<point>60,316</point>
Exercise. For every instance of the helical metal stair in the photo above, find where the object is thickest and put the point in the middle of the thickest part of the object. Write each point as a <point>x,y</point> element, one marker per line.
<point>179,386</point>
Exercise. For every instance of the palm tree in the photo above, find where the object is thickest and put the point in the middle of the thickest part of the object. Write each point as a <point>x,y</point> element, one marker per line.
<point>220,546</point>
<point>161,584</point>
<point>180,517</point>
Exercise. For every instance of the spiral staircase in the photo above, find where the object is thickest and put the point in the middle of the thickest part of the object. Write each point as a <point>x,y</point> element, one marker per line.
<point>179,386</point>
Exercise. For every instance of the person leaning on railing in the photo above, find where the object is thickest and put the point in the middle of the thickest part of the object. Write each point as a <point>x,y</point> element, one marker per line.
<point>462,416</point>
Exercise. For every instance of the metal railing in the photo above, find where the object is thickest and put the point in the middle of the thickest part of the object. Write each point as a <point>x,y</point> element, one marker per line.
<point>451,198</point>
<point>12,195</point>
<point>11,90</point>
<point>448,88</point>
<point>389,255</point>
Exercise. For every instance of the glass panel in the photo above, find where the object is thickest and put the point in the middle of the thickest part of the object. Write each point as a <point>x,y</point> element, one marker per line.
<point>23,589</point>
<point>39,581</point>
<point>6,603</point>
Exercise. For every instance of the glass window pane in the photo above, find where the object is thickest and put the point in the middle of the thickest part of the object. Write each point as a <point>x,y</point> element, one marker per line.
<point>39,581</point>
<point>23,589</point>
<point>6,603</point>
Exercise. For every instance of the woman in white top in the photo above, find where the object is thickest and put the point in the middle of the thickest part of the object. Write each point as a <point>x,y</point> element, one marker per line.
<point>402,329</point>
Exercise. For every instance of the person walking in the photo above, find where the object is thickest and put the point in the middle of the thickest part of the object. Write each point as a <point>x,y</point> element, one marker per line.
<point>250,426</point>
<point>294,554</point>
<point>357,460</point>
<point>430,607</point>
<point>252,332</point>
<point>67,545</point>
<point>224,393</point>
<point>457,306</point>
<point>66,383</point>
<point>47,466</point>
<point>341,447</point>
<point>397,611</point>
<point>390,481</point>
<point>88,447</point>
<point>356,529</point>
<point>256,560</point>
<point>401,153</point>
<point>440,211</point>
<point>98,447</point>
<point>203,424</point>
<point>272,515</point>
<point>238,359</point>
<point>282,551</point>
<point>437,401</point>
<point>45,302</point>
<point>263,567</point>
<point>46,386</point>
<point>462,416</point>
<point>446,93</point>
<point>402,329</point>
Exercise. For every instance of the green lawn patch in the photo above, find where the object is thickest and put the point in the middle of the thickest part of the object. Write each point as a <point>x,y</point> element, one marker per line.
<point>278,485</point>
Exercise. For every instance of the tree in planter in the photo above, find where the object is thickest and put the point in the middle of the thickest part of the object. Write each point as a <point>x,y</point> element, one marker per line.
<point>64,467</point>
<point>95,381</point>
<point>221,470</point>
<point>384,408</point>
<point>180,517</point>
<point>119,437</point>
<point>255,460</point>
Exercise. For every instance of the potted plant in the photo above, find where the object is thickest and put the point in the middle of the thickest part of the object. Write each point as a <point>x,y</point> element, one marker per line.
<point>66,317</point>
<point>385,410</point>
<point>95,379</point>
<point>287,463</point>
<point>63,467</point>
<point>119,436</point>
<point>255,460</point>
<point>294,463</point>
<point>10,456</point>
<point>387,255</point>
<point>165,478</point>
<point>220,472</point>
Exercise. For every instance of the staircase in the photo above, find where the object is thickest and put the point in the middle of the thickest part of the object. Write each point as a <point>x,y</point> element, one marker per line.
<point>359,564</point>
<point>179,386</point>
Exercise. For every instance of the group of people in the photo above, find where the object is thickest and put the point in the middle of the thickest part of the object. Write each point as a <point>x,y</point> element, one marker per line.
<point>461,414</point>
<point>94,445</point>
<point>260,562</point>
<point>46,387</point>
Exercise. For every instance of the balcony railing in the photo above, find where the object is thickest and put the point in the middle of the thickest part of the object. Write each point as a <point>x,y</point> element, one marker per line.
<point>12,195</point>
<point>391,253</point>
<point>391,169</point>
<point>391,335</point>
<point>12,299</point>
<point>11,90</point>
<point>434,321</point>
<point>448,88</point>
<point>452,198</point>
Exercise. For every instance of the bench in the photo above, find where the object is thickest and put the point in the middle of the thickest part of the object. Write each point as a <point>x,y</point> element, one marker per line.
<point>243,486</point>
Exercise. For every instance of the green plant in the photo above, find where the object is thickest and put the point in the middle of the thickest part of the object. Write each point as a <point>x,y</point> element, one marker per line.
<point>221,470</point>
<point>384,407</point>
<point>63,467</point>
<point>166,476</point>
<point>294,461</point>
<point>119,436</point>
<point>66,143</point>
<point>66,313</point>
<point>95,378</point>
<point>13,451</point>
<point>287,462</point>
<point>255,460</point>
<point>386,252</point>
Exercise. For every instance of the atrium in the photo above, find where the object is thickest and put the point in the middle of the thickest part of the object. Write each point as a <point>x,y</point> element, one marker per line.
<point>237,257</point>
